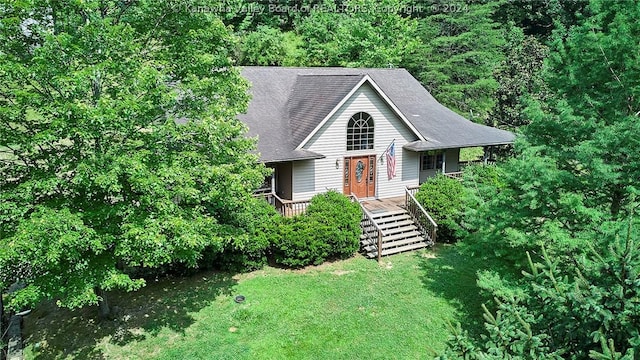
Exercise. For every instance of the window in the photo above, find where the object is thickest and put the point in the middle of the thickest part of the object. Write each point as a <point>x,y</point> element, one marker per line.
<point>431,160</point>
<point>360,132</point>
<point>346,172</point>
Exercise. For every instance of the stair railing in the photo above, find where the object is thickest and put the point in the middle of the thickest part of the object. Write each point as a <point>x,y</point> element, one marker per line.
<point>423,220</point>
<point>370,229</point>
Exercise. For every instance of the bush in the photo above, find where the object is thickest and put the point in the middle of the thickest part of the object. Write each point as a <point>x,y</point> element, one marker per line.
<point>442,198</point>
<point>247,249</point>
<point>330,228</point>
<point>297,244</point>
<point>336,220</point>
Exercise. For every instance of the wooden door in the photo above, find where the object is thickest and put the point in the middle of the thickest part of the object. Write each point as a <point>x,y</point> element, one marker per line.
<point>360,176</point>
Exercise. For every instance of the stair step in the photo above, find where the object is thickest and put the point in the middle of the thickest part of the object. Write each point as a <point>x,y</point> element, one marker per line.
<point>401,236</point>
<point>400,230</point>
<point>400,249</point>
<point>393,230</point>
<point>393,219</point>
<point>403,242</point>
<point>396,224</point>
<point>389,244</point>
<point>388,214</point>
<point>372,253</point>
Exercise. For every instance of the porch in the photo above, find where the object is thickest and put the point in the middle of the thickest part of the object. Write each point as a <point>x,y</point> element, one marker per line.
<point>389,226</point>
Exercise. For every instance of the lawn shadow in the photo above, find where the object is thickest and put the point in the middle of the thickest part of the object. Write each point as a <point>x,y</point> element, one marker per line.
<point>53,332</point>
<point>452,275</point>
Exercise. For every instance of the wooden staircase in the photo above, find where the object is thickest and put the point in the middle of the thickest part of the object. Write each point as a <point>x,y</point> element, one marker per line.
<point>399,233</point>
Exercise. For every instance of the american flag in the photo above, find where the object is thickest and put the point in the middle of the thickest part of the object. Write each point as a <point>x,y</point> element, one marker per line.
<point>391,161</point>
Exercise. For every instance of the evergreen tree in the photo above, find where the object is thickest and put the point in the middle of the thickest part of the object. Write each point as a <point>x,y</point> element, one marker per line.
<point>566,209</point>
<point>460,47</point>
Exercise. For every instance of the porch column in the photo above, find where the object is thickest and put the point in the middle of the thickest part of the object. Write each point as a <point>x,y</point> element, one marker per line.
<point>444,161</point>
<point>273,181</point>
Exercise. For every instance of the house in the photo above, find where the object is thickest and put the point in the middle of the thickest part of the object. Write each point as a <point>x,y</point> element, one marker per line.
<point>332,128</point>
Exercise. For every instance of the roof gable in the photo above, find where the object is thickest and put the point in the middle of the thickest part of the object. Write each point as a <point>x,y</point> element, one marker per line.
<point>364,79</point>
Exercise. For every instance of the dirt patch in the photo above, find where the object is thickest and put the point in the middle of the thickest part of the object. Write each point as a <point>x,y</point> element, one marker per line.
<point>341,272</point>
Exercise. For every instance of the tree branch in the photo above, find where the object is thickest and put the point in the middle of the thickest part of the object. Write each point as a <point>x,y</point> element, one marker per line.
<point>615,76</point>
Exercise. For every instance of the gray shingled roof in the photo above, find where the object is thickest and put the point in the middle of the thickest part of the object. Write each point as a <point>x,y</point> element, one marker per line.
<point>288,103</point>
<point>313,97</point>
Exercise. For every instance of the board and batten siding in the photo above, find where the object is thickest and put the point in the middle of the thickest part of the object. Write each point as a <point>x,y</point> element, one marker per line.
<point>316,176</point>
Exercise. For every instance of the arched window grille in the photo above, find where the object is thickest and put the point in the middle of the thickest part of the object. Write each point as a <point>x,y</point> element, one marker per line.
<point>360,132</point>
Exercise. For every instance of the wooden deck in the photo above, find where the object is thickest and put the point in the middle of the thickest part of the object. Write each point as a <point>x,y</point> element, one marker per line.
<point>379,206</point>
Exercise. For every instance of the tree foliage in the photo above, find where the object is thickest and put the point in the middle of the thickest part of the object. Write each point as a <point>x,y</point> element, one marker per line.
<point>519,78</point>
<point>459,50</point>
<point>567,306</point>
<point>366,34</point>
<point>441,197</point>
<point>566,212</point>
<point>96,173</point>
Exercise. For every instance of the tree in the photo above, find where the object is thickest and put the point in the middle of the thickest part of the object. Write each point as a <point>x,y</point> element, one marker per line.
<point>460,47</point>
<point>358,33</point>
<point>96,174</point>
<point>593,117</point>
<point>519,78</point>
<point>566,211</point>
<point>540,18</point>
<point>267,46</point>
<point>587,308</point>
<point>577,157</point>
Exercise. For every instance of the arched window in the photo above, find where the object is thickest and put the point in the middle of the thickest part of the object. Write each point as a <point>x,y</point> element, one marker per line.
<point>360,132</point>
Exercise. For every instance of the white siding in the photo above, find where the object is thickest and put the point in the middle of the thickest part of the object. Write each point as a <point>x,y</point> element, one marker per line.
<point>311,177</point>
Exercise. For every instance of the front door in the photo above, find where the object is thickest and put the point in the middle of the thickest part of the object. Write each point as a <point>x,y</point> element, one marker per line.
<point>360,176</point>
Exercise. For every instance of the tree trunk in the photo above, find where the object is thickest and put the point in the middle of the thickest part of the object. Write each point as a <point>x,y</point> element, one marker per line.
<point>1,319</point>
<point>103,304</point>
<point>616,201</point>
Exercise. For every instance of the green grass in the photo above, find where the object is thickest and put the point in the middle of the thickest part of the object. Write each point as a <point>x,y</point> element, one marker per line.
<point>352,309</point>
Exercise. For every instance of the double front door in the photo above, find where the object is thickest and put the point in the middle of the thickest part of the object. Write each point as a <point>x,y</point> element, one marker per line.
<point>359,176</point>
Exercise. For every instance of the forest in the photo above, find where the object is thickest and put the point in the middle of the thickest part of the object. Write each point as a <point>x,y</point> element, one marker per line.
<point>557,217</point>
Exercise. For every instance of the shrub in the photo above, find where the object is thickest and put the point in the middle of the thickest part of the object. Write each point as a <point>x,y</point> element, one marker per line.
<point>247,249</point>
<point>297,244</point>
<point>442,198</point>
<point>329,229</point>
<point>336,220</point>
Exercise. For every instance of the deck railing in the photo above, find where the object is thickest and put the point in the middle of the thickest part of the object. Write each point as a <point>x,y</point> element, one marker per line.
<point>294,207</point>
<point>371,231</point>
<point>413,189</point>
<point>426,225</point>
<point>285,207</point>
<point>456,175</point>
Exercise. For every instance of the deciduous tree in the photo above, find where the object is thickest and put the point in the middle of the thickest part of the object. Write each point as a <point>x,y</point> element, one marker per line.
<point>119,143</point>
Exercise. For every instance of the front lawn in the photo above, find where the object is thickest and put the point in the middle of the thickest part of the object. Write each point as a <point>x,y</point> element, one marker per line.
<point>352,309</point>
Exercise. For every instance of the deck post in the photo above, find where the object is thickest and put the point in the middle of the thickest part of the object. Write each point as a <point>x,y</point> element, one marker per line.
<point>379,246</point>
